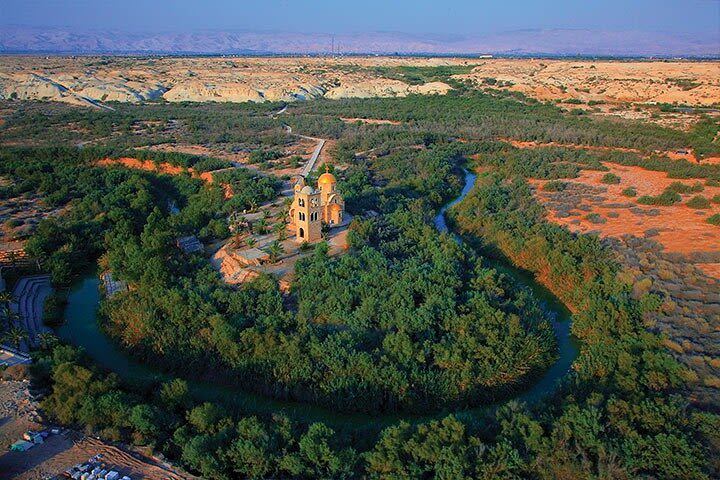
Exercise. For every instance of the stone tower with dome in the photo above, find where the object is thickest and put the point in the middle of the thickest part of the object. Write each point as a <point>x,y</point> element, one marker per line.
<point>312,207</point>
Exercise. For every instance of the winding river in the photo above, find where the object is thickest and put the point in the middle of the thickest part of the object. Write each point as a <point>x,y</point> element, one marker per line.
<point>81,329</point>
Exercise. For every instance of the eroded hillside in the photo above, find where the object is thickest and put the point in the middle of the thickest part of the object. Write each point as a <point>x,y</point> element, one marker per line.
<point>628,89</point>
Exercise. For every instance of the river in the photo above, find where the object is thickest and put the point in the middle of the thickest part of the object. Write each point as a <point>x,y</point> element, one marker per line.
<point>559,314</point>
<point>81,329</point>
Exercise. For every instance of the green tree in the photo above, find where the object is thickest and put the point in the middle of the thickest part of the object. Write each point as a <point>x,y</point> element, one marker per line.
<point>275,250</point>
<point>47,340</point>
<point>15,335</point>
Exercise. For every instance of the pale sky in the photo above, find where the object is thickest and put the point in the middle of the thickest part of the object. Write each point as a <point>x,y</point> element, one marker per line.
<point>344,16</point>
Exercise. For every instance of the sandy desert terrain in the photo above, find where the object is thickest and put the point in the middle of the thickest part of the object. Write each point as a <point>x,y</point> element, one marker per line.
<point>608,87</point>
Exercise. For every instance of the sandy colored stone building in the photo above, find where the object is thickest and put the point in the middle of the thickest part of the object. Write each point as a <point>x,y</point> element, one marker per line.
<point>312,207</point>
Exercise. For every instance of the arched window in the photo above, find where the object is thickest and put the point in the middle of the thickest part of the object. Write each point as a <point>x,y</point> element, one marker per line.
<point>302,216</point>
<point>301,202</point>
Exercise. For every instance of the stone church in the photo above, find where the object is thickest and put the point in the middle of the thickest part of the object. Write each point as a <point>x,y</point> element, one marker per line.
<point>313,207</point>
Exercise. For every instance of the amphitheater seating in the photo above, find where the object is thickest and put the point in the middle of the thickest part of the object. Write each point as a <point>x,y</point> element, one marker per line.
<point>30,294</point>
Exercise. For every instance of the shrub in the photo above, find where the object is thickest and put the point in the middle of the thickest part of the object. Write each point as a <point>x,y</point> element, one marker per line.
<point>630,192</point>
<point>679,187</point>
<point>714,220</point>
<point>698,187</point>
<point>715,199</point>
<point>711,182</point>
<point>261,156</point>
<point>14,222</point>
<point>666,198</point>
<point>699,201</point>
<point>595,218</point>
<point>610,179</point>
<point>54,308</point>
<point>554,186</point>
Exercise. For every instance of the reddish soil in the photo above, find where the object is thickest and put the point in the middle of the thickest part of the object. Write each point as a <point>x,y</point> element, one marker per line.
<point>147,165</point>
<point>672,155</point>
<point>595,148</point>
<point>303,147</point>
<point>679,228</point>
<point>710,269</point>
<point>199,151</point>
<point>690,157</point>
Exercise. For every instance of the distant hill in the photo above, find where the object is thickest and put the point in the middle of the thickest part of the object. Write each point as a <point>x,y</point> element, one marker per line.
<point>23,39</point>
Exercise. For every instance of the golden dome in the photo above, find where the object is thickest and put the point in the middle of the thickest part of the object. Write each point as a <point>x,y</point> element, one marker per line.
<point>326,178</point>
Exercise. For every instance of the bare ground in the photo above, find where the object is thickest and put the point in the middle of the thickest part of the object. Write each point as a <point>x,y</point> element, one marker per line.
<point>18,413</point>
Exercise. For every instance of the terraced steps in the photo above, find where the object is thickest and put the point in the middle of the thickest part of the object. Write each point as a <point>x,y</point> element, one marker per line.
<point>30,294</point>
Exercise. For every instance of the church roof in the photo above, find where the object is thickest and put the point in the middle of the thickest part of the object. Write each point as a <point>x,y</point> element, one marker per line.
<point>326,178</point>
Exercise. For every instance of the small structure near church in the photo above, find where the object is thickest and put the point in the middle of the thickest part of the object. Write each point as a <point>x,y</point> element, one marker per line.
<point>189,244</point>
<point>252,256</point>
<point>311,208</point>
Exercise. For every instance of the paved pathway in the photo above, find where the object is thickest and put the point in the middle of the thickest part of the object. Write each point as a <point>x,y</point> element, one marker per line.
<point>313,159</point>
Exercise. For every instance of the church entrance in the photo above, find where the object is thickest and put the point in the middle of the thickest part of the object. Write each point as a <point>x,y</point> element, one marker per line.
<point>301,233</point>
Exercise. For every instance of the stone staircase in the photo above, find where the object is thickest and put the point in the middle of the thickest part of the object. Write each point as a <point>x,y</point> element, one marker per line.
<point>30,294</point>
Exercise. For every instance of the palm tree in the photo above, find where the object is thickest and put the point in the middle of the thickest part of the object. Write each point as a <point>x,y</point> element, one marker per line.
<point>6,297</point>
<point>279,227</point>
<point>15,335</point>
<point>250,241</point>
<point>261,224</point>
<point>275,249</point>
<point>13,257</point>
<point>47,340</point>
<point>282,213</point>
<point>11,317</point>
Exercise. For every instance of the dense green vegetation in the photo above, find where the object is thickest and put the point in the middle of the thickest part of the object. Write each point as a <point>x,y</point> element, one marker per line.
<point>416,350</point>
<point>406,320</point>
<point>112,206</point>
<point>413,75</point>
<point>482,116</point>
<point>502,216</point>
